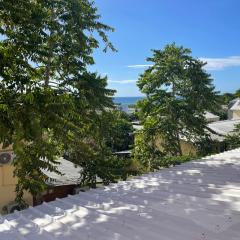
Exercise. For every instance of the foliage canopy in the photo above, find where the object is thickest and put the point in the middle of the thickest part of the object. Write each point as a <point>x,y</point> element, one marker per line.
<point>49,100</point>
<point>233,140</point>
<point>178,92</point>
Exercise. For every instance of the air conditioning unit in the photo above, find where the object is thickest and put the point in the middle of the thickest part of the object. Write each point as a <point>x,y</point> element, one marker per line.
<point>6,157</point>
<point>12,207</point>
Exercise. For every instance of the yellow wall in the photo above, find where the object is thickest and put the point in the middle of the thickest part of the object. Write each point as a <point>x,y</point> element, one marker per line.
<point>7,187</point>
<point>187,148</point>
<point>233,114</point>
<point>236,114</point>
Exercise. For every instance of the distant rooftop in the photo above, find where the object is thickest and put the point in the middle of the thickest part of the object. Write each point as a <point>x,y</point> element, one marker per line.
<point>136,122</point>
<point>210,117</point>
<point>234,104</point>
<point>221,128</point>
<point>70,174</point>
<point>224,127</point>
<point>137,127</point>
<point>124,152</point>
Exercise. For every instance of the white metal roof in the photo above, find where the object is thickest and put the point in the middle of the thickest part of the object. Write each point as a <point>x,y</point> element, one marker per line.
<point>224,127</point>
<point>135,122</point>
<point>124,152</point>
<point>137,127</point>
<point>234,104</point>
<point>71,174</point>
<point>221,128</point>
<point>198,200</point>
<point>211,117</point>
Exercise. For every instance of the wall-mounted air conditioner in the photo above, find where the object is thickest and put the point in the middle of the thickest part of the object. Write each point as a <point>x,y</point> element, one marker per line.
<point>6,157</point>
<point>12,207</point>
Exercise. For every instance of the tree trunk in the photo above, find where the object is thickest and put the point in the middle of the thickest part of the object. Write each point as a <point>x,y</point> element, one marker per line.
<point>49,61</point>
<point>179,145</point>
<point>47,73</point>
<point>50,53</point>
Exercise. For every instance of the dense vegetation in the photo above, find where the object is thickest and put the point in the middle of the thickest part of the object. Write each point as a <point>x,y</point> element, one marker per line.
<point>50,104</point>
<point>223,100</point>
<point>233,140</point>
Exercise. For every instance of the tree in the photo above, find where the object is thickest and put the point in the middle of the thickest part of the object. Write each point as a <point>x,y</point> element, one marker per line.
<point>178,92</point>
<point>233,140</point>
<point>109,132</point>
<point>225,98</point>
<point>48,98</point>
<point>119,130</point>
<point>237,93</point>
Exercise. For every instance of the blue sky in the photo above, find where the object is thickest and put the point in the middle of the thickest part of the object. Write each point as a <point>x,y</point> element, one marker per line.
<point>211,28</point>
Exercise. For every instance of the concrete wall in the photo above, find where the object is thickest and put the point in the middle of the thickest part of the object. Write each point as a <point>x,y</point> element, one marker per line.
<point>187,148</point>
<point>233,114</point>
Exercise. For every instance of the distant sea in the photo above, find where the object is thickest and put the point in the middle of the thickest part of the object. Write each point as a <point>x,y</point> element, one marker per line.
<point>126,100</point>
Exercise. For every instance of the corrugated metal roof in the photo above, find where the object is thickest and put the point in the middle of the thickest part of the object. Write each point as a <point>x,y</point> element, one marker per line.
<point>71,174</point>
<point>234,104</point>
<point>199,200</point>
<point>224,127</point>
<point>124,152</point>
<point>221,128</point>
<point>211,117</point>
<point>137,127</point>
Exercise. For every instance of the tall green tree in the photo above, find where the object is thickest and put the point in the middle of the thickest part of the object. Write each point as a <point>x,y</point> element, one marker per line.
<point>118,129</point>
<point>47,95</point>
<point>178,92</point>
<point>233,139</point>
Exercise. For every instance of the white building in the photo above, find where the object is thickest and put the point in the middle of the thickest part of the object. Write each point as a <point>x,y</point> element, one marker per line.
<point>234,109</point>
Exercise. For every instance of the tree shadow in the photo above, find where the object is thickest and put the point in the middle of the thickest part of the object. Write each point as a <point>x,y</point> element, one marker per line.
<point>195,200</point>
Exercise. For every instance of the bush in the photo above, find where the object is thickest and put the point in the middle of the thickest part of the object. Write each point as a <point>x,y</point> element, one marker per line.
<point>168,161</point>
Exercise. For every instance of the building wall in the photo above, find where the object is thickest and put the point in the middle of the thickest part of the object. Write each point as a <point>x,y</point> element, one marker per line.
<point>57,192</point>
<point>233,114</point>
<point>187,148</point>
<point>7,187</point>
<point>236,114</point>
<point>8,183</point>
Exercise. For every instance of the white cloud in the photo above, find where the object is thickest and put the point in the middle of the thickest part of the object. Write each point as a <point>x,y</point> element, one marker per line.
<point>123,81</point>
<point>139,66</point>
<point>212,63</point>
<point>221,63</point>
